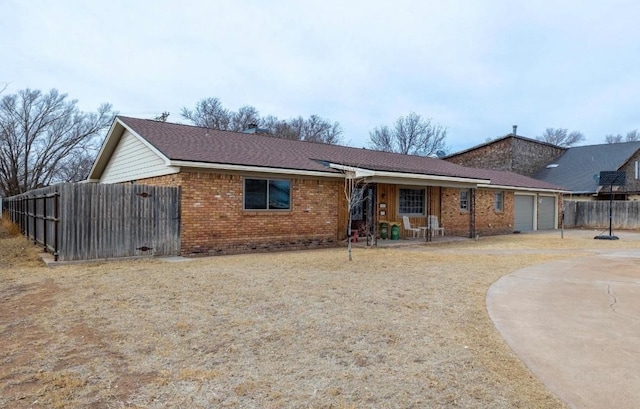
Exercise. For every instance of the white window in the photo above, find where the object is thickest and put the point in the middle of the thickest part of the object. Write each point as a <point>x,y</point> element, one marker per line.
<point>498,203</point>
<point>464,200</point>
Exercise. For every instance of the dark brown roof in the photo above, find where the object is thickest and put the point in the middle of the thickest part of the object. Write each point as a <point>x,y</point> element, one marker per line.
<point>503,178</point>
<point>197,144</point>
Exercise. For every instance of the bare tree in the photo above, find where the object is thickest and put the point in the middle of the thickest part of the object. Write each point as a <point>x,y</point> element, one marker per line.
<point>76,168</point>
<point>43,134</point>
<point>313,129</point>
<point>354,192</point>
<point>631,136</point>
<point>246,116</point>
<point>209,113</point>
<point>279,127</point>
<point>561,137</point>
<point>410,135</point>
<point>162,117</point>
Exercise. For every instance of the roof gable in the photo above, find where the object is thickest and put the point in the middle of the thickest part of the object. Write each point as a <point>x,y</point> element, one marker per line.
<point>494,141</point>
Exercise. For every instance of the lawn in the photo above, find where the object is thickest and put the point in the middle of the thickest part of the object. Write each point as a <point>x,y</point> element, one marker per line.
<point>395,328</point>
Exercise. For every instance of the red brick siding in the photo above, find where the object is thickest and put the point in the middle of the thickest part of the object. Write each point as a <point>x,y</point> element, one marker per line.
<point>214,222</point>
<point>487,221</point>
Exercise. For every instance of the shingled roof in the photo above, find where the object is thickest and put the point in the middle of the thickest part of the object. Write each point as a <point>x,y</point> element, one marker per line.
<point>577,169</point>
<point>199,145</point>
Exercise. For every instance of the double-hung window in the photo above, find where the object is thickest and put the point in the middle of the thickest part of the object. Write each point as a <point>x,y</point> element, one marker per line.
<point>267,194</point>
<point>498,203</point>
<point>411,201</point>
<point>464,200</point>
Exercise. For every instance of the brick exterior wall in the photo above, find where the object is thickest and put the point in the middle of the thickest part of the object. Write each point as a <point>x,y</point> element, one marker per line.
<point>487,221</point>
<point>214,222</point>
<point>511,154</point>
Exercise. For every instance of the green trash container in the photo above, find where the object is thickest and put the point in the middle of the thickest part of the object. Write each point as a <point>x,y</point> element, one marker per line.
<point>395,232</point>
<point>384,230</point>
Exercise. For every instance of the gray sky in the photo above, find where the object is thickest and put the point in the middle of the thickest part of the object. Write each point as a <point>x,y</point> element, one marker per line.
<point>477,67</point>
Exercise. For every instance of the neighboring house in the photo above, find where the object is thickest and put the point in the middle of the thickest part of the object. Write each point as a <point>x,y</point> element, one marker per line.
<point>511,152</point>
<point>578,170</point>
<point>250,192</point>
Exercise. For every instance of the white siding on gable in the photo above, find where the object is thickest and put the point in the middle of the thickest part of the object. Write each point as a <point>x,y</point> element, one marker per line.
<point>133,160</point>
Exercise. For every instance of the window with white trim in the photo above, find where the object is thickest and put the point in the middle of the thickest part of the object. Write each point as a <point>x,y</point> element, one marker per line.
<point>464,200</point>
<point>411,201</point>
<point>267,194</point>
<point>498,202</point>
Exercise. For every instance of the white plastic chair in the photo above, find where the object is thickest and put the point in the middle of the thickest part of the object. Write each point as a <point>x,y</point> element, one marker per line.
<point>407,226</point>
<point>434,226</point>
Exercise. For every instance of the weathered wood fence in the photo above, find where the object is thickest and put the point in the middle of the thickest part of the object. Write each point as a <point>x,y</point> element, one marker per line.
<point>595,214</point>
<point>76,221</point>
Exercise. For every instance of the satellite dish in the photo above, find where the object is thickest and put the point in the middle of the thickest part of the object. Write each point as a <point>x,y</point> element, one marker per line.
<point>441,154</point>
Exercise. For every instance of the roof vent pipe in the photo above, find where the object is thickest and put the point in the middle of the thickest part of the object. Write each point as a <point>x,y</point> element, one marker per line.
<point>515,129</point>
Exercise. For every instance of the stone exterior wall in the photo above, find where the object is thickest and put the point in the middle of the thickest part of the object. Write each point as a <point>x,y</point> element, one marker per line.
<point>512,154</point>
<point>530,156</point>
<point>495,155</point>
<point>214,222</point>
<point>488,222</point>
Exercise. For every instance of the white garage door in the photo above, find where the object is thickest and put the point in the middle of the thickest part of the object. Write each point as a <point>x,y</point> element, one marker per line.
<point>546,213</point>
<point>523,213</point>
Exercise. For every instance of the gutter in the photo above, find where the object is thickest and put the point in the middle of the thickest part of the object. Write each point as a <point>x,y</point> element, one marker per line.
<point>361,173</point>
<point>259,169</point>
<point>528,189</point>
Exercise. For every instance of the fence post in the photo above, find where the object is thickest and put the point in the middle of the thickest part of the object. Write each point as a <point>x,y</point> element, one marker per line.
<point>44,222</point>
<point>56,225</point>
<point>34,220</point>
<point>25,216</point>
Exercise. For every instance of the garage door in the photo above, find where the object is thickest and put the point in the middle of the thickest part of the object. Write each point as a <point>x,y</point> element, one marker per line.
<point>523,213</point>
<point>546,213</point>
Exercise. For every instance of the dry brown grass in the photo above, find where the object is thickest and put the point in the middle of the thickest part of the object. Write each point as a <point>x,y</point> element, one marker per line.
<point>395,328</point>
<point>8,228</point>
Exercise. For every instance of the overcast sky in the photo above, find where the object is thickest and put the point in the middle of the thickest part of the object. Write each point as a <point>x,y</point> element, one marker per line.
<point>476,67</point>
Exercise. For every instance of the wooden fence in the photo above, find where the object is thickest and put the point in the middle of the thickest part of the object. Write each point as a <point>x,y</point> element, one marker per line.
<point>96,221</point>
<point>595,214</point>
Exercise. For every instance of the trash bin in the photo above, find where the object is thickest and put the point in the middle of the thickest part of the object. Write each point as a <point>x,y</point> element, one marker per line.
<point>395,232</point>
<point>384,230</point>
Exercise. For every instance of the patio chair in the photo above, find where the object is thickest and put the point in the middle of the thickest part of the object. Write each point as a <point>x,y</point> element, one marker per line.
<point>407,227</point>
<point>434,225</point>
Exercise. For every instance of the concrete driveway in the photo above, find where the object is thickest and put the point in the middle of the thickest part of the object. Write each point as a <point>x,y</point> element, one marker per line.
<point>576,324</point>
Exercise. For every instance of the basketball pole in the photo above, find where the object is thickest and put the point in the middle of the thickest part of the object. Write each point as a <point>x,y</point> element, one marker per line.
<point>611,210</point>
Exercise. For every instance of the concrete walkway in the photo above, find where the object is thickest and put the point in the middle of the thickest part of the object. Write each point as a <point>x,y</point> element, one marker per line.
<point>576,324</point>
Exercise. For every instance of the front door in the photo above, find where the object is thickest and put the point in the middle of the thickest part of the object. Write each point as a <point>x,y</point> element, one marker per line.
<point>362,212</point>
